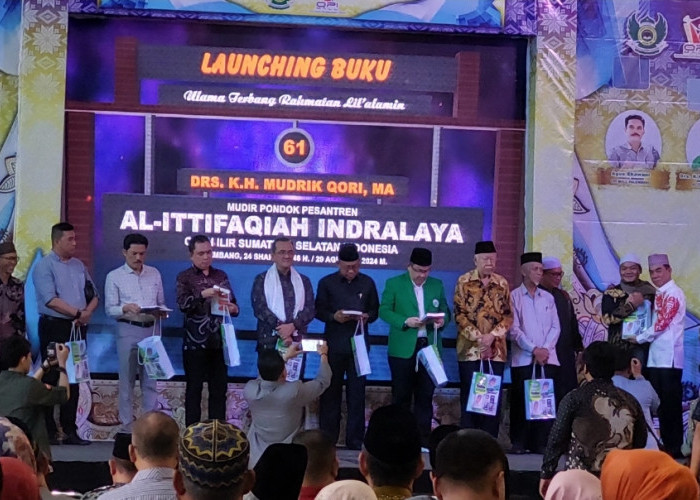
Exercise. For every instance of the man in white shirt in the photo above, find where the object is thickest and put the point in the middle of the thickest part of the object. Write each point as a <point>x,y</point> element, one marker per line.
<point>534,336</point>
<point>665,363</point>
<point>128,289</point>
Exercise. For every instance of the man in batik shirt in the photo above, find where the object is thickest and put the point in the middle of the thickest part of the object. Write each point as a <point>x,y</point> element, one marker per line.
<point>483,316</point>
<point>11,294</point>
<point>623,300</point>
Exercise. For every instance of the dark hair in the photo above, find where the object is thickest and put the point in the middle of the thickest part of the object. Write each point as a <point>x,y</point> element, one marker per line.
<point>126,466</point>
<point>466,457</point>
<point>320,452</point>
<point>386,474</point>
<point>281,239</point>
<point>134,239</point>
<point>623,358</point>
<point>12,350</point>
<point>634,117</point>
<point>57,230</point>
<point>599,358</point>
<point>199,238</point>
<point>436,436</point>
<point>155,436</point>
<point>270,364</point>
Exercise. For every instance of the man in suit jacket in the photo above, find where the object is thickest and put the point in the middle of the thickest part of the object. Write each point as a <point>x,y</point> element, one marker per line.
<point>406,299</point>
<point>277,406</point>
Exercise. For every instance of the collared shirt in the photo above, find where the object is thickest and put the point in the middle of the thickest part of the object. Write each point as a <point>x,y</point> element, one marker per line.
<point>592,420</point>
<point>55,278</point>
<point>648,399</point>
<point>124,286</point>
<point>202,329</point>
<point>392,492</point>
<point>26,398</point>
<point>335,293</point>
<point>480,310</point>
<point>624,156</point>
<point>418,291</point>
<point>11,308</point>
<point>268,321</point>
<point>535,324</point>
<point>666,331</point>
<point>148,484</point>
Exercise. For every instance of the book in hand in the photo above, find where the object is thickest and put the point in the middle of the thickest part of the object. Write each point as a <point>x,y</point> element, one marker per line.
<point>348,312</point>
<point>432,317</point>
<point>154,309</point>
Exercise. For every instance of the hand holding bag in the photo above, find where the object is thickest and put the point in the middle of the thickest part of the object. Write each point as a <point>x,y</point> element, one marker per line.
<point>359,350</point>
<point>153,356</point>
<point>77,368</point>
<point>232,357</point>
<point>485,391</point>
<point>539,397</point>
<point>430,357</point>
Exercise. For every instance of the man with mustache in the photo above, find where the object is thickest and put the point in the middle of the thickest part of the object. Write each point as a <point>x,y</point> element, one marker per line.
<point>128,289</point>
<point>633,154</point>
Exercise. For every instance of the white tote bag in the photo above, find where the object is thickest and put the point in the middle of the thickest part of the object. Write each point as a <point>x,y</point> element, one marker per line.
<point>430,357</point>
<point>153,356</point>
<point>232,357</point>
<point>359,350</point>
<point>77,368</point>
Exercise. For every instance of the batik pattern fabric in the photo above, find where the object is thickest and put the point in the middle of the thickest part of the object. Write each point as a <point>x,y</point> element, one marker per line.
<point>480,310</point>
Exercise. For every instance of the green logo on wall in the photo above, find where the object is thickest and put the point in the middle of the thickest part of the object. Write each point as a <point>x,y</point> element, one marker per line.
<point>646,36</point>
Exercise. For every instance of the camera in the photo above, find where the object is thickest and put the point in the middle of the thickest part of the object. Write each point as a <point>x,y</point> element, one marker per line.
<point>51,350</point>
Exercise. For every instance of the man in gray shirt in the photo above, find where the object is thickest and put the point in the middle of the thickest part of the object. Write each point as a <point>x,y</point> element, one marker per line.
<point>628,377</point>
<point>66,296</point>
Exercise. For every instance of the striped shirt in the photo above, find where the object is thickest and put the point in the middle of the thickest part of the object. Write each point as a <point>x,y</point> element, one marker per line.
<point>148,484</point>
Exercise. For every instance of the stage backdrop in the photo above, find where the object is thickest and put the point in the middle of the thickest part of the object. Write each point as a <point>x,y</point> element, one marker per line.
<point>245,135</point>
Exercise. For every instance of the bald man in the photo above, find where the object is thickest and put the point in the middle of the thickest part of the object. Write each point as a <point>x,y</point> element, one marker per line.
<point>154,451</point>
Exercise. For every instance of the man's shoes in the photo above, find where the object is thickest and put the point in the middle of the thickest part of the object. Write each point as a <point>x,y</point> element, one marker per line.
<point>73,438</point>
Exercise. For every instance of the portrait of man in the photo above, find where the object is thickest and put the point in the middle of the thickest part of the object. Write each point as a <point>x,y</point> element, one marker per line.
<point>633,153</point>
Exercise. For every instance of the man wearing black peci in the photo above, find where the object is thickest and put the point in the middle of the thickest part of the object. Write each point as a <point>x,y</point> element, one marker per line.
<point>347,290</point>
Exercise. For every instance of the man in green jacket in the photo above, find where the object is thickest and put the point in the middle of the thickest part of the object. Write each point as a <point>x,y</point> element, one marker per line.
<point>406,301</point>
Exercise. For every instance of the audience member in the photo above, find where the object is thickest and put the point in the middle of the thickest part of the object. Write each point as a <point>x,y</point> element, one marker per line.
<point>321,462</point>
<point>574,484</point>
<point>15,441</point>
<point>213,463</point>
<point>279,473</point>
<point>646,475</point>
<point>153,450</point>
<point>121,468</point>
<point>593,419</point>
<point>276,405</point>
<point>26,397</point>
<point>628,376</point>
<point>349,489</point>
<point>470,464</point>
<point>436,436</point>
<point>391,458</point>
<point>18,480</point>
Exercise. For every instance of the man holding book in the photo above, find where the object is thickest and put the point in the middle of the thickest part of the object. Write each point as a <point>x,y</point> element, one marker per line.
<point>346,301</point>
<point>414,305</point>
<point>128,290</point>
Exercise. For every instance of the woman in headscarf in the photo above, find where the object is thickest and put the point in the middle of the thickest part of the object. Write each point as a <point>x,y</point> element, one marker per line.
<point>646,475</point>
<point>574,484</point>
<point>349,489</point>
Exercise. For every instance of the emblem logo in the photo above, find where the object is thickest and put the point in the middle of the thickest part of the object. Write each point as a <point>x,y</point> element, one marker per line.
<point>691,49</point>
<point>646,36</point>
<point>279,4</point>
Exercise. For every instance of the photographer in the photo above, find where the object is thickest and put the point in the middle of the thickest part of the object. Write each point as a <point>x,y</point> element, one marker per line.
<point>26,397</point>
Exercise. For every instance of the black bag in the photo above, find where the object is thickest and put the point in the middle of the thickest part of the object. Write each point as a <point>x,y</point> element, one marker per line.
<point>89,291</point>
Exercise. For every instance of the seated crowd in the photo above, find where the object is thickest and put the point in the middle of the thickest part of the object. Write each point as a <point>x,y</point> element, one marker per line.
<point>212,460</point>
